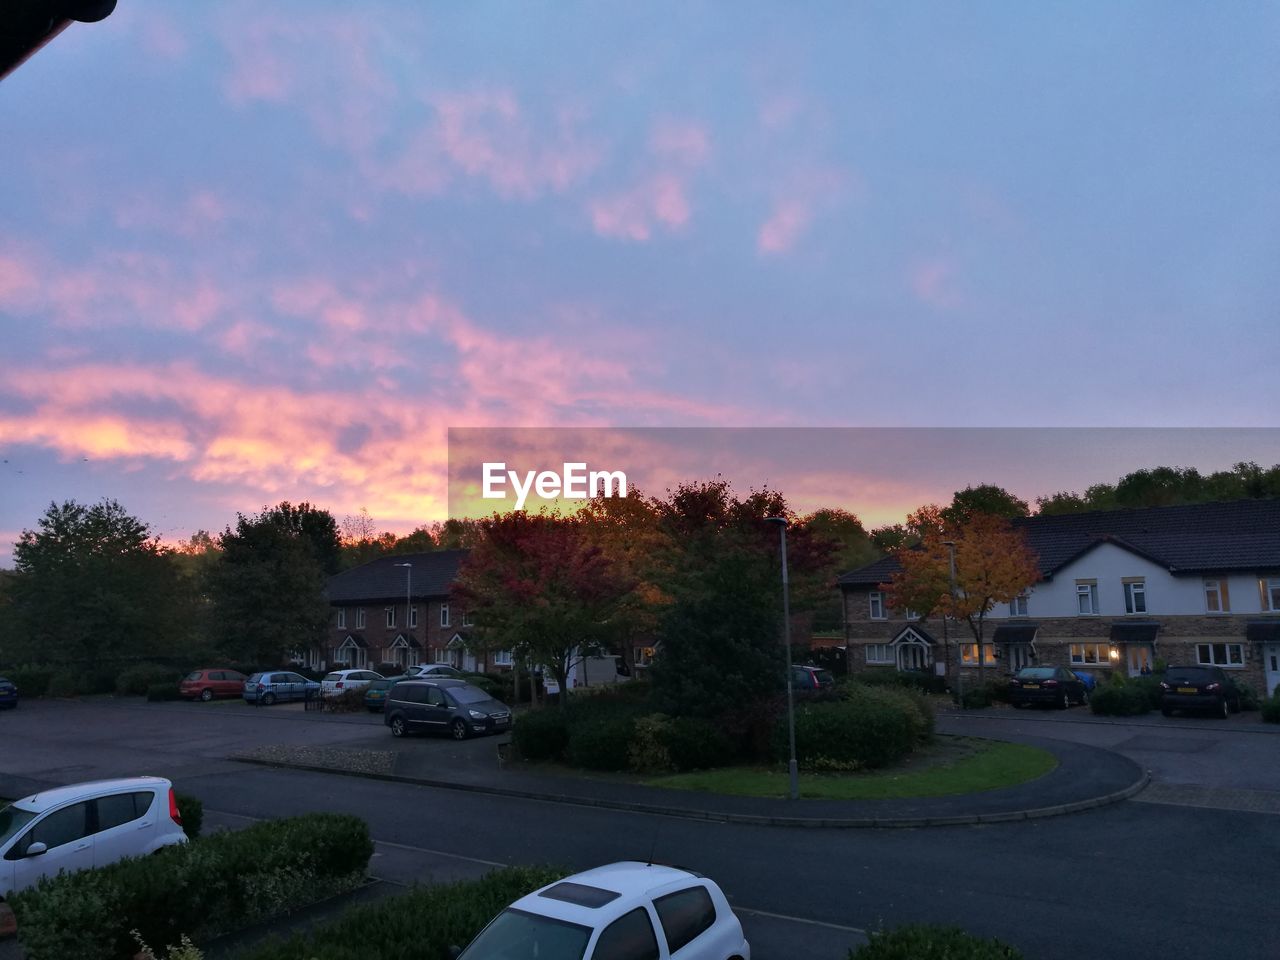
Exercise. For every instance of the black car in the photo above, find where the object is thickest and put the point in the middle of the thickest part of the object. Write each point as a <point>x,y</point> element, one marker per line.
<point>447,706</point>
<point>8,694</point>
<point>1198,688</point>
<point>1057,686</point>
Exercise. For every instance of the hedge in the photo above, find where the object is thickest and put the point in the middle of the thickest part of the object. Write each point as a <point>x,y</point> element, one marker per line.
<point>928,942</point>
<point>423,923</point>
<point>202,889</point>
<point>138,679</point>
<point>600,741</point>
<point>873,728</point>
<point>1271,708</point>
<point>192,812</point>
<point>541,734</point>
<point>159,692</point>
<point>30,681</point>
<point>1125,697</point>
<point>660,743</point>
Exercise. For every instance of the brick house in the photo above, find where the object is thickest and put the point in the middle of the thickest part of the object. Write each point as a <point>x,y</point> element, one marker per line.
<point>1118,590</point>
<point>398,609</point>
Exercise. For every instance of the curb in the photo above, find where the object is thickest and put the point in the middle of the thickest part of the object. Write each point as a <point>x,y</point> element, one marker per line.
<point>1263,728</point>
<point>759,820</point>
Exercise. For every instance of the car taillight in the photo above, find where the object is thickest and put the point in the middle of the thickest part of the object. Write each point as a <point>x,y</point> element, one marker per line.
<point>1214,686</point>
<point>338,685</point>
<point>1051,683</point>
<point>1163,685</point>
<point>174,814</point>
<point>262,686</point>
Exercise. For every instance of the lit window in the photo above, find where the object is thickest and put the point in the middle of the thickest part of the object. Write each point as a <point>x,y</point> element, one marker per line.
<point>1018,606</point>
<point>444,614</point>
<point>875,603</point>
<point>1135,596</point>
<point>1095,654</point>
<point>1087,597</point>
<point>1217,599</point>
<point>969,654</point>
<point>879,653</point>
<point>1220,654</point>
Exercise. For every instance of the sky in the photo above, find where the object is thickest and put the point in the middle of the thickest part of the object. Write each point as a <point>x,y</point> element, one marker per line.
<point>259,252</point>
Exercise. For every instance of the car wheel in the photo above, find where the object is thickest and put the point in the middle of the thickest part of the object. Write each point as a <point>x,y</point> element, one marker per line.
<point>1065,702</point>
<point>1084,697</point>
<point>458,730</point>
<point>268,699</point>
<point>206,694</point>
<point>1224,709</point>
<point>398,727</point>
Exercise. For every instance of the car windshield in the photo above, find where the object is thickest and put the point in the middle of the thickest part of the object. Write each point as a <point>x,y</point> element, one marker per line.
<point>824,677</point>
<point>255,678</point>
<point>1188,675</point>
<point>12,820</point>
<point>468,695</point>
<point>380,685</point>
<point>1035,673</point>
<point>516,935</point>
<point>195,674</point>
<point>330,677</point>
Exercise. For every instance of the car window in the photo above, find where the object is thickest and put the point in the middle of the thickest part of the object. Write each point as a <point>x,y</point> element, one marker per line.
<point>684,915</point>
<point>825,677</point>
<point>332,677</point>
<point>630,937</point>
<point>380,685</point>
<point>13,819</point>
<point>1036,673</point>
<point>296,678</point>
<point>435,697</point>
<point>121,808</point>
<point>468,694</point>
<point>195,674</point>
<point>517,935</point>
<point>1189,675</point>
<point>409,693</point>
<point>218,675</point>
<point>61,826</point>
<point>257,677</point>
<point>369,675</point>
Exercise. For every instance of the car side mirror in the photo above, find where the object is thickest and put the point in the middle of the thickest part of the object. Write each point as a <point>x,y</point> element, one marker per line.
<point>36,849</point>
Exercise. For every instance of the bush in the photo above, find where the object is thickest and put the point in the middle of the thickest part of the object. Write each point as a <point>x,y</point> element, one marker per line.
<point>159,692</point>
<point>201,890</point>
<point>648,751</point>
<point>600,740</point>
<point>697,744</point>
<point>541,734</point>
<point>1249,699</point>
<point>974,698</point>
<point>1119,700</point>
<point>873,728</point>
<point>137,680</point>
<point>192,812</point>
<point>912,679</point>
<point>30,681</point>
<point>927,942</point>
<point>1271,708</point>
<point>348,701</point>
<point>422,923</point>
<point>489,683</point>
<point>66,683</point>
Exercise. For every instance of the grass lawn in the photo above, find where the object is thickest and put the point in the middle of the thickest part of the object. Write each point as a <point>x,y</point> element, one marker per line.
<point>961,765</point>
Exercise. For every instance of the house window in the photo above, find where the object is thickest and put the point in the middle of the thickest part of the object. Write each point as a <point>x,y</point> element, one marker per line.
<point>879,653</point>
<point>360,618</point>
<point>443,655</point>
<point>1018,606</point>
<point>1135,596</point>
<point>1270,590</point>
<point>444,614</point>
<point>466,619</point>
<point>1095,654</point>
<point>391,617</point>
<point>910,614</point>
<point>342,618</point>
<point>642,656</point>
<point>875,603</point>
<point>1216,597</point>
<point>1087,598</point>
<point>413,617</point>
<point>1220,654</point>
<point>502,658</point>
<point>969,654</point>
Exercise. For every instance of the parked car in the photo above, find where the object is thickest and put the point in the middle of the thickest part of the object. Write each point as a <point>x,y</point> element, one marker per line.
<point>8,694</point>
<point>425,670</point>
<point>269,686</point>
<point>375,694</point>
<point>1199,688</point>
<point>811,678</point>
<point>85,825</point>
<point>444,706</point>
<point>205,684</point>
<point>626,909</point>
<point>1053,685</point>
<point>340,681</point>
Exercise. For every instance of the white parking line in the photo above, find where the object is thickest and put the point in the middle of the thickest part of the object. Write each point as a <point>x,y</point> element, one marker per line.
<point>812,923</point>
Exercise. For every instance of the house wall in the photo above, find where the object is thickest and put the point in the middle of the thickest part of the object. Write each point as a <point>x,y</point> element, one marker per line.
<point>379,637</point>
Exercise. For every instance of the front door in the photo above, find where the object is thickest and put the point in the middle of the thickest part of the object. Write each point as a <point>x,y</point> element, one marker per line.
<point>1141,659</point>
<point>1020,655</point>
<point>913,656</point>
<point>1271,655</point>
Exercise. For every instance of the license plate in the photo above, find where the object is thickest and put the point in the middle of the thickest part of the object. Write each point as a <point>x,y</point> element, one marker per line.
<point>1031,686</point>
<point>1188,690</point>
<point>502,723</point>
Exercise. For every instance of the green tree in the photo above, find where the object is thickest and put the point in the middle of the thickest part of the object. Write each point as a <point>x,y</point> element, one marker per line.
<point>92,585</point>
<point>985,498</point>
<point>267,588</point>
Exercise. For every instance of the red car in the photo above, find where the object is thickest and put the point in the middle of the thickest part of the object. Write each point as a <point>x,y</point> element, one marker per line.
<point>210,683</point>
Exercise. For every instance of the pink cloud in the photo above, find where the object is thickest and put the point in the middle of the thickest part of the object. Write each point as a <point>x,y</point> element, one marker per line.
<point>162,36</point>
<point>799,199</point>
<point>789,219</point>
<point>934,282</point>
<point>682,141</point>
<point>661,196</point>
<point>17,280</point>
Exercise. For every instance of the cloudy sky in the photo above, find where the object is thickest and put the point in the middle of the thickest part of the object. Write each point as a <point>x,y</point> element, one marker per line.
<point>251,252</point>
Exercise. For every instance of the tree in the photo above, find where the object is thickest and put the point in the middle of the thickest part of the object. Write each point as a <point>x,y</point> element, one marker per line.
<point>993,564</point>
<point>539,586</point>
<point>986,498</point>
<point>91,585</point>
<point>267,588</point>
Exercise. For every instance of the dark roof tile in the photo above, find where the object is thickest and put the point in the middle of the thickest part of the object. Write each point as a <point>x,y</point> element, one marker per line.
<point>381,580</point>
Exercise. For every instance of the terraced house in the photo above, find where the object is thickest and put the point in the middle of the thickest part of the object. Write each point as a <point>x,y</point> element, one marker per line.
<point>1118,590</point>
<point>398,610</point>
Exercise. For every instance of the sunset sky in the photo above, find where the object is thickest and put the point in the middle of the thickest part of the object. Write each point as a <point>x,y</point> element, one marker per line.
<point>253,252</point>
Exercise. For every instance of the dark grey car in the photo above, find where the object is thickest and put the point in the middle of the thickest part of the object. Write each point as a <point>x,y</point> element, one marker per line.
<point>447,706</point>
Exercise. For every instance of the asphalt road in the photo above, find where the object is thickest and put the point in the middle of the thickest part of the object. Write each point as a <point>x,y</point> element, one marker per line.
<point>1131,881</point>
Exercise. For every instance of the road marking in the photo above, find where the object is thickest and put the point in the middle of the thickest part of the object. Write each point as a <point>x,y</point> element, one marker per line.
<point>1212,798</point>
<point>812,923</point>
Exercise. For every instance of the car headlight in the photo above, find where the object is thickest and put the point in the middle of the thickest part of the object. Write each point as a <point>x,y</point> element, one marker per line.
<point>477,715</point>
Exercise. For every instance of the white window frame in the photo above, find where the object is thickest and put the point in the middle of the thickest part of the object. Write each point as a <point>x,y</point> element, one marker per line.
<point>875,605</point>
<point>413,617</point>
<point>502,658</point>
<point>1019,605</point>
<point>1269,594</point>
<point>444,655</point>
<point>969,654</point>
<point>1087,589</point>
<point>466,619</point>
<point>342,618</point>
<point>1135,596</point>
<point>1207,655</point>
<point>444,614</point>
<point>1218,590</point>
<point>642,656</point>
<point>391,617</point>
<point>1102,651</point>
<point>880,654</point>
<point>909,614</point>
<point>360,618</point>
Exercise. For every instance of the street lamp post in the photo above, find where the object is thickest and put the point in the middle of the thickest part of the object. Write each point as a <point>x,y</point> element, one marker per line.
<point>408,601</point>
<point>946,618</point>
<point>792,769</point>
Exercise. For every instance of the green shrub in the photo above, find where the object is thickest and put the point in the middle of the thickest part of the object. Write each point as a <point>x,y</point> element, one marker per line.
<point>1119,700</point>
<point>185,950</point>
<point>600,740</point>
<point>192,812</point>
<point>1271,708</point>
<point>927,942</point>
<point>873,728</point>
<point>348,701</point>
<point>1249,699</point>
<point>490,683</point>
<point>975,697</point>
<point>541,734</point>
<point>30,681</point>
<point>697,744</point>
<point>66,683</point>
<point>138,679</point>
<point>911,679</point>
<point>167,690</point>
<point>648,752</point>
<point>422,923</point>
<point>224,882</point>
